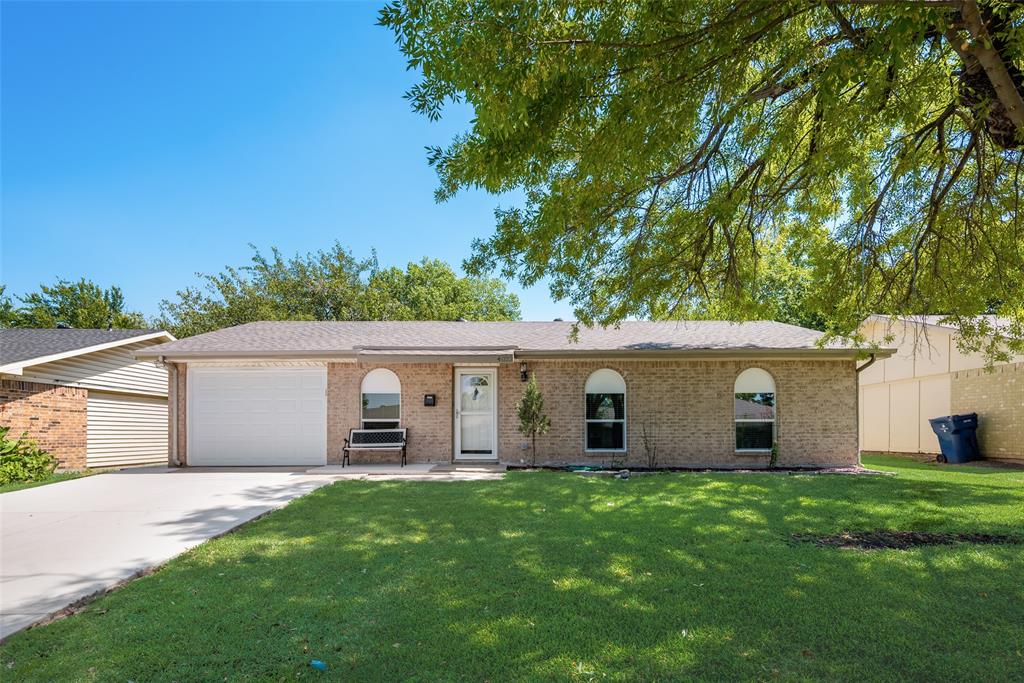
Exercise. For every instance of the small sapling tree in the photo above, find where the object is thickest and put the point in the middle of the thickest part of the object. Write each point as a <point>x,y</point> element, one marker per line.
<point>532,420</point>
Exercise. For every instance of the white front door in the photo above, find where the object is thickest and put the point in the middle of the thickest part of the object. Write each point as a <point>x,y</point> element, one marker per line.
<point>476,402</point>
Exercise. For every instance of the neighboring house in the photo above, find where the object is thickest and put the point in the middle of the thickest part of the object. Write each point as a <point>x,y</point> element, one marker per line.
<point>705,392</point>
<point>83,396</point>
<point>929,376</point>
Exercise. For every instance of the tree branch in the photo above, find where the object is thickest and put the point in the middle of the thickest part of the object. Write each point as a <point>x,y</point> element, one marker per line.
<point>992,62</point>
<point>852,34</point>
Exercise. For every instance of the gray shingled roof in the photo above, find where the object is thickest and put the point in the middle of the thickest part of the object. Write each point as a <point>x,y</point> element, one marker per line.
<point>19,345</point>
<point>353,338</point>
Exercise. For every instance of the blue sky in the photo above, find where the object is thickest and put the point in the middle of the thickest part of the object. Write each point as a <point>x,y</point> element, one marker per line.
<point>144,142</point>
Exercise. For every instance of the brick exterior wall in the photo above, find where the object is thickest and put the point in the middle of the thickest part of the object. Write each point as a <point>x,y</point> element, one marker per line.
<point>998,399</point>
<point>430,428</point>
<point>54,416</point>
<point>689,404</point>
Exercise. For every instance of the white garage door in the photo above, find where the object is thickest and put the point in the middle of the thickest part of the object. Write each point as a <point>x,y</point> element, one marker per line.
<point>125,430</point>
<point>257,416</point>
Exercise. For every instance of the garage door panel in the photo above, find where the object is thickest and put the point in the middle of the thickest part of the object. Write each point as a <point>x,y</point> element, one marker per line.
<point>262,405</point>
<point>311,382</point>
<point>257,416</point>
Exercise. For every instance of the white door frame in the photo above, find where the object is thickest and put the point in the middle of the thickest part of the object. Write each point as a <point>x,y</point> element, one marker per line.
<point>492,373</point>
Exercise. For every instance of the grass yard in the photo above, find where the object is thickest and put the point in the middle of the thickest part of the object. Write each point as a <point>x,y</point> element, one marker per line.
<point>549,576</point>
<point>52,479</point>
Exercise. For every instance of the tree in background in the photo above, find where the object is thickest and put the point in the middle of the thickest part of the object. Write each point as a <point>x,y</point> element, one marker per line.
<point>326,285</point>
<point>8,313</point>
<point>81,304</point>
<point>333,285</point>
<point>532,419</point>
<point>665,149</point>
<point>780,290</point>
<point>430,290</point>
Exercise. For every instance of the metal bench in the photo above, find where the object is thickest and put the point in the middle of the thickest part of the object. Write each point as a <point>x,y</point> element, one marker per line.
<point>374,440</point>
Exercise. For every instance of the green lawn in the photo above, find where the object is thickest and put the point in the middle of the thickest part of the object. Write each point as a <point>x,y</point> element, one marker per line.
<point>52,479</point>
<point>549,576</point>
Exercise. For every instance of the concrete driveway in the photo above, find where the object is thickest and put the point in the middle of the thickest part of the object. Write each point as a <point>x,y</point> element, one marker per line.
<point>65,541</point>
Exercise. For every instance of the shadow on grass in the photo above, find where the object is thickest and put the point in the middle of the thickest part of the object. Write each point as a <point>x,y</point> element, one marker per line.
<point>550,576</point>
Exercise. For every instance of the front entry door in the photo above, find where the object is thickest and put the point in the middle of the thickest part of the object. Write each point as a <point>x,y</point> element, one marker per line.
<point>476,400</point>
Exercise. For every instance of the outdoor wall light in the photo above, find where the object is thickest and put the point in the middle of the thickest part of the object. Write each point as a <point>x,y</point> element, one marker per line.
<point>522,372</point>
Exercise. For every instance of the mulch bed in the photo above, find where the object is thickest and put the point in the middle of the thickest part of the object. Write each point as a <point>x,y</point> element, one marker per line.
<point>900,540</point>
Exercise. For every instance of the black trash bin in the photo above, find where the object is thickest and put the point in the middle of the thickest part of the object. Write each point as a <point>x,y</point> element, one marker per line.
<point>958,437</point>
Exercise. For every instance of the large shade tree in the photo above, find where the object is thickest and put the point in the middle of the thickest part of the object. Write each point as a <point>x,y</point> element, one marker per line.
<point>674,154</point>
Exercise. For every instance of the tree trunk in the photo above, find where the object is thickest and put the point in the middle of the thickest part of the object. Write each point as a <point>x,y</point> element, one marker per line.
<point>987,75</point>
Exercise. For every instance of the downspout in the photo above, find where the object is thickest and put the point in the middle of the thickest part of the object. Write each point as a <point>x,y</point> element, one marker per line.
<point>172,397</point>
<point>860,369</point>
<point>868,364</point>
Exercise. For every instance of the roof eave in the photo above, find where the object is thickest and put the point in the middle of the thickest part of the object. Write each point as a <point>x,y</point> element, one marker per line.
<point>184,356</point>
<point>805,353</point>
<point>16,367</point>
<point>503,355</point>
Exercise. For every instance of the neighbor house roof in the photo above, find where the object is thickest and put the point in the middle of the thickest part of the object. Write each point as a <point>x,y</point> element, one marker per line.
<point>998,323</point>
<point>503,340</point>
<point>22,347</point>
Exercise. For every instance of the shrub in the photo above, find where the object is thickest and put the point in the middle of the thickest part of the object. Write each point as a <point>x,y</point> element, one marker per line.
<point>22,459</point>
<point>649,439</point>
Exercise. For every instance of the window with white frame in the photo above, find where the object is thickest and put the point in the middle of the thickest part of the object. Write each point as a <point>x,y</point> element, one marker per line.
<point>381,395</point>
<point>606,411</point>
<point>754,396</point>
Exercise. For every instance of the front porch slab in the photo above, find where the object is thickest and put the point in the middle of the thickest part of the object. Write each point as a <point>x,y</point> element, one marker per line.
<point>413,472</point>
<point>375,469</point>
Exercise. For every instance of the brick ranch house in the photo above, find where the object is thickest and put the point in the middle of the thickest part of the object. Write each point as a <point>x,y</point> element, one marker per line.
<point>703,392</point>
<point>83,396</point>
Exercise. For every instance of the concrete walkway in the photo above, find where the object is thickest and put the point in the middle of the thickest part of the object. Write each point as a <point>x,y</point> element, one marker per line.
<point>62,542</point>
<point>413,472</point>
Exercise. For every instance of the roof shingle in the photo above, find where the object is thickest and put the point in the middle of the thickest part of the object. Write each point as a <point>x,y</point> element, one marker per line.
<point>23,344</point>
<point>348,338</point>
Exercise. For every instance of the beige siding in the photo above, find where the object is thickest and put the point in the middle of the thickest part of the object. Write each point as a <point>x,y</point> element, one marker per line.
<point>965,361</point>
<point>894,415</point>
<point>125,430</point>
<point>904,417</point>
<point>109,370</point>
<point>875,417</point>
<point>899,394</point>
<point>935,402</point>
